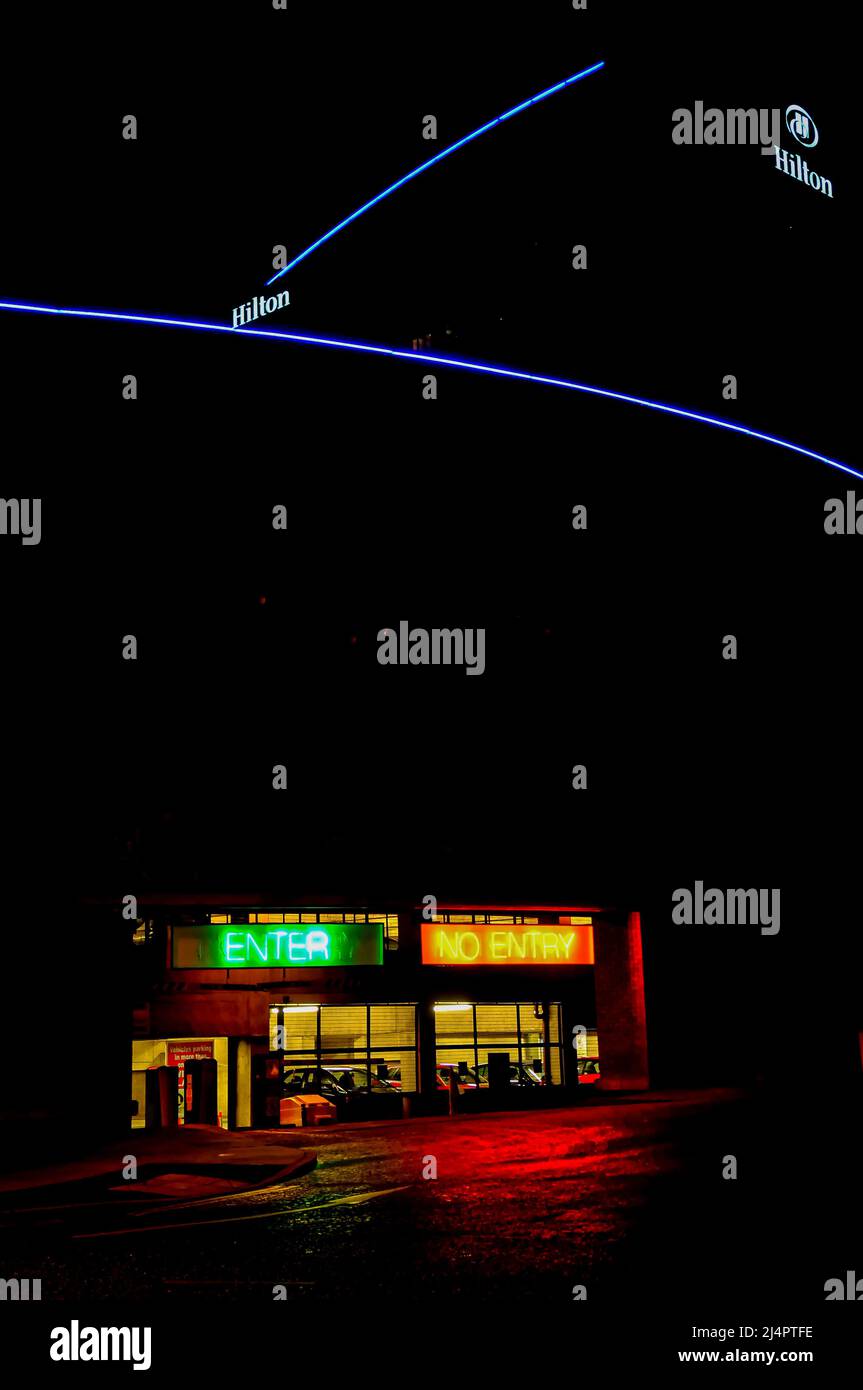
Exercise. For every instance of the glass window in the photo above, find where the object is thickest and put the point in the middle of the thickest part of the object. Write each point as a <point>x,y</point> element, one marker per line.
<point>496,1024</point>
<point>471,1033</point>
<point>587,1043</point>
<point>358,1047</point>
<point>455,1036</point>
<point>344,1028</point>
<point>393,1025</point>
<point>294,1028</point>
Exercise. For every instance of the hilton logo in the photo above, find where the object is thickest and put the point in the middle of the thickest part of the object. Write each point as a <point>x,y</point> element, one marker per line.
<point>801,125</point>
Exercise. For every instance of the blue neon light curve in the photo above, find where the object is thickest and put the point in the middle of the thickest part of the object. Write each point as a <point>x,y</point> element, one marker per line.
<point>460,363</point>
<point>531,101</point>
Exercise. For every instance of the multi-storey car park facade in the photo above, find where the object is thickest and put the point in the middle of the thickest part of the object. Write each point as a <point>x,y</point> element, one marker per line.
<point>376,1006</point>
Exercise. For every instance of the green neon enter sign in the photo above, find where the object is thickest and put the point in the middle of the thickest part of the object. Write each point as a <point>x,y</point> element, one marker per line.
<point>241,947</point>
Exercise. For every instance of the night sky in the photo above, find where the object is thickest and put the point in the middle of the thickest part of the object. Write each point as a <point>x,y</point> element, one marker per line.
<point>603,647</point>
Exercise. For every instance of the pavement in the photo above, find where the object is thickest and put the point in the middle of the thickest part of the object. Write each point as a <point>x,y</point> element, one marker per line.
<point>626,1198</point>
<point>205,1160</point>
<point>199,1160</point>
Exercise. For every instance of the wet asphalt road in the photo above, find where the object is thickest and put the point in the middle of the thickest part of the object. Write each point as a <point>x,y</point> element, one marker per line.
<point>618,1197</point>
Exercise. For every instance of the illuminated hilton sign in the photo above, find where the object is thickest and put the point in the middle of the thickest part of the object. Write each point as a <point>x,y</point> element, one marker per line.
<point>801,125</point>
<point>241,947</point>
<point>451,944</point>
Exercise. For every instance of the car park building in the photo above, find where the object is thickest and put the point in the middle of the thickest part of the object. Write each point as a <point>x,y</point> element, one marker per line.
<point>238,1002</point>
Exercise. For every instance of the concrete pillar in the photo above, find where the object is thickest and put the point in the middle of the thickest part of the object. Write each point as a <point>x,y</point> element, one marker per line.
<point>426,1044</point>
<point>620,1012</point>
<point>244,1084</point>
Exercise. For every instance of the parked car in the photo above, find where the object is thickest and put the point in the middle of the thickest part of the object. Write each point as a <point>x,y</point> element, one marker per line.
<point>336,1083</point>
<point>467,1080</point>
<point>588,1071</point>
<point>520,1074</point>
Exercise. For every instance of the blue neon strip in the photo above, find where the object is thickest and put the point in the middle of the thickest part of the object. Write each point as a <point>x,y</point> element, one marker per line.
<point>461,363</point>
<point>531,101</point>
